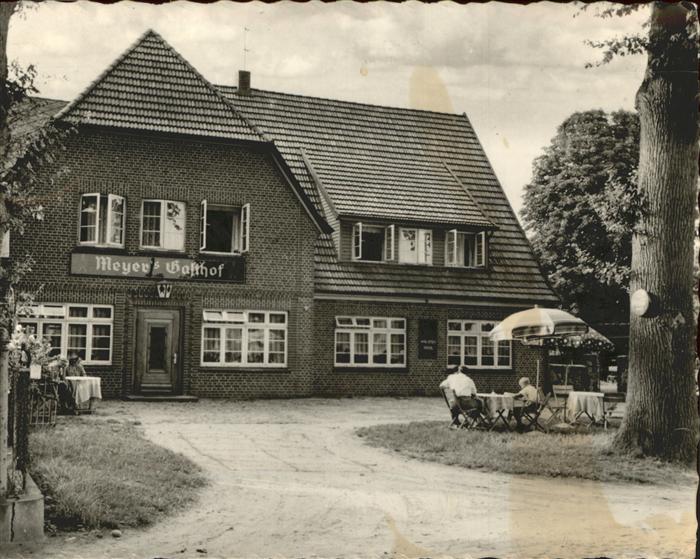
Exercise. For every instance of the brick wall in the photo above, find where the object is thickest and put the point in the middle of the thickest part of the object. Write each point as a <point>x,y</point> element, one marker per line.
<point>421,376</point>
<point>279,266</point>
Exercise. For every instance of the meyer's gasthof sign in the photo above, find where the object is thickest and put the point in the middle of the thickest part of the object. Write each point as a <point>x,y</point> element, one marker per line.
<point>158,267</point>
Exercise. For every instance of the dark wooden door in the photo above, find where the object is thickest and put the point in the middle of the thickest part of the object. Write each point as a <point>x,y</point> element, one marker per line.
<point>157,351</point>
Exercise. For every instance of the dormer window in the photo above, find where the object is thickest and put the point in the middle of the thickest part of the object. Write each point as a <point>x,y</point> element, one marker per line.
<point>372,243</point>
<point>465,250</point>
<point>416,246</point>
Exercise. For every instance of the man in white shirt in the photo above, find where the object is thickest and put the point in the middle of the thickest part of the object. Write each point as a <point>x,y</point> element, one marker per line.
<point>464,390</point>
<point>528,394</point>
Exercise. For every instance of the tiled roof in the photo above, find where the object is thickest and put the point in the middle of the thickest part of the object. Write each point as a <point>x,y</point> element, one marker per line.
<point>375,162</point>
<point>25,120</point>
<point>399,165</point>
<point>151,87</point>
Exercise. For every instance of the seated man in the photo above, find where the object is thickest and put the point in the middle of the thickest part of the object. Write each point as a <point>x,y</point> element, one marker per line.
<point>528,394</point>
<point>465,392</point>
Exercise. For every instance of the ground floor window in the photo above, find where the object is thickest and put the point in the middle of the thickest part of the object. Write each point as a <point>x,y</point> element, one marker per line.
<point>370,341</point>
<point>468,343</point>
<point>85,329</point>
<point>232,338</point>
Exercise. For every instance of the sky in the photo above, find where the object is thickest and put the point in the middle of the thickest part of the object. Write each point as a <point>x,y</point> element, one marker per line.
<point>516,71</point>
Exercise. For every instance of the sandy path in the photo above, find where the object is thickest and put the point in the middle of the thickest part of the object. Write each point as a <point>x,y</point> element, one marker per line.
<point>290,479</point>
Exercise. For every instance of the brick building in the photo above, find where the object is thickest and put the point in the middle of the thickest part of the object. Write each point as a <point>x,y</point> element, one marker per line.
<point>231,242</point>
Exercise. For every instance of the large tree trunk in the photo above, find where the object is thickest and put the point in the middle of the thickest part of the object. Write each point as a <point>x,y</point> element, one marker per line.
<point>662,417</point>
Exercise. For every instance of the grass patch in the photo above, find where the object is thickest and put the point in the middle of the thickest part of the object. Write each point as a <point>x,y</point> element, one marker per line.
<point>586,456</point>
<point>106,474</point>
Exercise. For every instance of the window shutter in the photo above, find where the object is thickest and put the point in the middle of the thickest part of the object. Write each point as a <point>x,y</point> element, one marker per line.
<point>173,221</point>
<point>245,228</point>
<point>203,225</point>
<point>480,257</point>
<point>425,252</point>
<point>357,241</point>
<point>115,228</point>
<point>5,246</point>
<point>389,242</point>
<point>452,247</point>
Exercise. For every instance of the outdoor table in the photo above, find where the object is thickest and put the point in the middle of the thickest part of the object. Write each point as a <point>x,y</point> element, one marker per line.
<point>85,391</point>
<point>585,403</point>
<point>497,407</point>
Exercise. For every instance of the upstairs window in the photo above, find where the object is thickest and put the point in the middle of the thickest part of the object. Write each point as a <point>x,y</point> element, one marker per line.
<point>224,229</point>
<point>102,218</point>
<point>163,224</point>
<point>416,246</point>
<point>373,243</point>
<point>466,250</point>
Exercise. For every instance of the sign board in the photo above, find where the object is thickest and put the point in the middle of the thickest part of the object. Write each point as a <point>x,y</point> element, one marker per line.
<point>158,267</point>
<point>427,338</point>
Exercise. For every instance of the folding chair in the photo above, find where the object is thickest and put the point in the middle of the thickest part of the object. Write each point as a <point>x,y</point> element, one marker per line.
<point>533,417</point>
<point>473,418</point>
<point>611,407</point>
<point>557,403</point>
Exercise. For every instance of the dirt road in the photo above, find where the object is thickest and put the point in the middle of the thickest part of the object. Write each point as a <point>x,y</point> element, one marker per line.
<point>290,479</point>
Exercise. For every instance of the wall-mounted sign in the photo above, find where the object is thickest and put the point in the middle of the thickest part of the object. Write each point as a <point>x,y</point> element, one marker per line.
<point>427,339</point>
<point>158,267</point>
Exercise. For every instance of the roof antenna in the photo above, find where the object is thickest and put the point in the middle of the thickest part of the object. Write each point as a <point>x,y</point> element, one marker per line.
<point>245,49</point>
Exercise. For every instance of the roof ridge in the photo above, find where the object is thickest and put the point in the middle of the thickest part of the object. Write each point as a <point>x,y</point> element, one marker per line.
<point>209,85</point>
<point>151,33</point>
<point>344,101</point>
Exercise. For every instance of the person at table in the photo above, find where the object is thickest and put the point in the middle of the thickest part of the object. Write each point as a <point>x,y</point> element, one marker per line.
<point>75,365</point>
<point>464,390</point>
<point>528,395</point>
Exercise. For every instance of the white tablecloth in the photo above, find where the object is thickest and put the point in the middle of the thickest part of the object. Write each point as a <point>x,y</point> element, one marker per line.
<point>496,402</point>
<point>85,388</point>
<point>589,402</point>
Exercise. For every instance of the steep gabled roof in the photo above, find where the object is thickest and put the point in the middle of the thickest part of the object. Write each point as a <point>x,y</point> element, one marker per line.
<point>151,87</point>
<point>398,165</point>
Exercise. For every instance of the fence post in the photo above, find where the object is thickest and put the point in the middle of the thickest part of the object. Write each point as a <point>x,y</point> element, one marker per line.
<point>22,424</point>
<point>4,389</point>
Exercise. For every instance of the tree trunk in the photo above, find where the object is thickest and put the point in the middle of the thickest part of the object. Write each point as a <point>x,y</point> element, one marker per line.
<point>6,10</point>
<point>661,418</point>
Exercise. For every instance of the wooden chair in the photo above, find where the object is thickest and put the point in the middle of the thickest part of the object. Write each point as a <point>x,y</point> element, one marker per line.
<point>533,417</point>
<point>557,403</point>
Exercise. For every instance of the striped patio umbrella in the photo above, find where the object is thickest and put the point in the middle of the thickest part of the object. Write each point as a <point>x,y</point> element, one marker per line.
<point>534,326</point>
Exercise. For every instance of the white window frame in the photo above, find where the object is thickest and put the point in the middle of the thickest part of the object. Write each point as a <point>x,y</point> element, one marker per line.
<point>423,258</point>
<point>108,230</point>
<point>243,233</point>
<point>390,243</point>
<point>226,319</point>
<point>366,324</point>
<point>480,336</point>
<point>357,241</point>
<point>58,313</point>
<point>452,253</point>
<point>5,245</point>
<point>163,217</point>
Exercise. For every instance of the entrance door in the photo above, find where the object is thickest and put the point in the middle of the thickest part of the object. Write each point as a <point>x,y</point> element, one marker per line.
<point>157,351</point>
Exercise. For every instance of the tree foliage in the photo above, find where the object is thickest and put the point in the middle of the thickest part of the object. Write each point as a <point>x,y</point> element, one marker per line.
<point>21,158</point>
<point>581,208</point>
